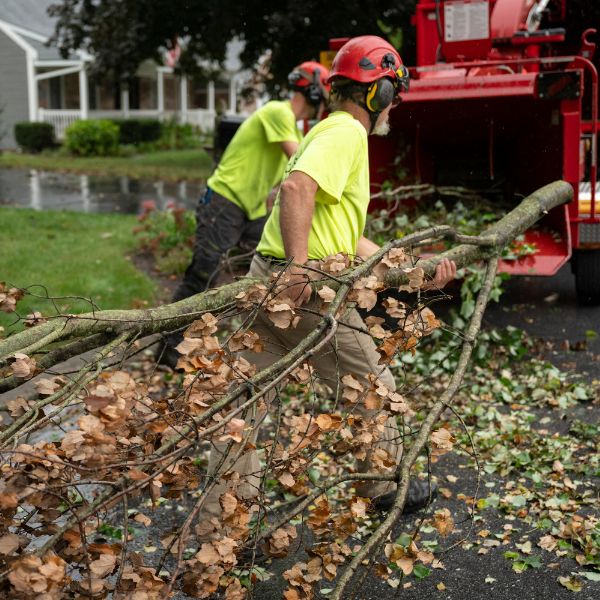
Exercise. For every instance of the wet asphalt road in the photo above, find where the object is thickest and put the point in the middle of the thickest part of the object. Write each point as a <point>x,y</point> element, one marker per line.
<point>546,307</point>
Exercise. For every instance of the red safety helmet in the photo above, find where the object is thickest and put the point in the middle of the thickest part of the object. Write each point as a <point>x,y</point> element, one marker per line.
<point>368,58</point>
<point>311,78</point>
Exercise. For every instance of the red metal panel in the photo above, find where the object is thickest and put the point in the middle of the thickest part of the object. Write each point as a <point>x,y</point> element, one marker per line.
<point>485,86</point>
<point>508,16</point>
<point>428,39</point>
<point>553,245</point>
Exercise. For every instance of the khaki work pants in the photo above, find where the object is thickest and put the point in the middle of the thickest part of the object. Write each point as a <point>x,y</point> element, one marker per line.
<point>349,352</point>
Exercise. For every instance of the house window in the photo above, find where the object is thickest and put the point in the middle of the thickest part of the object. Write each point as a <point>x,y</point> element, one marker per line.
<point>148,99</point>
<point>171,92</point>
<point>50,93</point>
<point>198,93</point>
<point>70,91</point>
<point>221,95</point>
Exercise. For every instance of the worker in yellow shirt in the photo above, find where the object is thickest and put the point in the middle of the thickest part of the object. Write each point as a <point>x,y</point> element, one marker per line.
<point>320,211</point>
<point>234,208</point>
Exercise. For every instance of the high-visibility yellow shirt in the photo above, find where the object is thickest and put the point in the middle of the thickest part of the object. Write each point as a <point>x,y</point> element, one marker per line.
<point>335,154</point>
<point>254,161</point>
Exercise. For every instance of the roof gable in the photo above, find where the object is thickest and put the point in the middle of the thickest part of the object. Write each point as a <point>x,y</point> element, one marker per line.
<point>29,14</point>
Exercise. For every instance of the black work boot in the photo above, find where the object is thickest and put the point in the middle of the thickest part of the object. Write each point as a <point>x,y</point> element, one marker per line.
<point>165,353</point>
<point>418,497</point>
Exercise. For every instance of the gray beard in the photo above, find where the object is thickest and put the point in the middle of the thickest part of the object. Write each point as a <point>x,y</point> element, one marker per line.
<point>382,128</point>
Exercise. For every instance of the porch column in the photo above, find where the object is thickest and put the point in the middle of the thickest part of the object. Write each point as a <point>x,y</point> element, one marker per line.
<point>32,88</point>
<point>232,95</point>
<point>83,93</point>
<point>183,92</point>
<point>160,88</point>
<point>211,96</point>
<point>125,99</point>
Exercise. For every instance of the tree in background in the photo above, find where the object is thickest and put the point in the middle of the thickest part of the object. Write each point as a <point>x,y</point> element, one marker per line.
<point>123,33</point>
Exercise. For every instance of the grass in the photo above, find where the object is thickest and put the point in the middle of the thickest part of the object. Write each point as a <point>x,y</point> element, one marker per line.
<point>166,165</point>
<point>61,254</point>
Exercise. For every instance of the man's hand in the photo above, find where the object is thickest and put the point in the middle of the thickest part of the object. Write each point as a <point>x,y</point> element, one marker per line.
<point>445,272</point>
<point>299,289</point>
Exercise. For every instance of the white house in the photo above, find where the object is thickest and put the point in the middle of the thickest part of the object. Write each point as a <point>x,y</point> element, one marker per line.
<point>38,84</point>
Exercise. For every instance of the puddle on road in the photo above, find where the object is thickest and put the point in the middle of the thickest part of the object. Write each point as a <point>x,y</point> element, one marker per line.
<point>44,190</point>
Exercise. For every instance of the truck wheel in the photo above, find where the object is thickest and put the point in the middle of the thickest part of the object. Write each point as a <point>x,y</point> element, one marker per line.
<point>587,276</point>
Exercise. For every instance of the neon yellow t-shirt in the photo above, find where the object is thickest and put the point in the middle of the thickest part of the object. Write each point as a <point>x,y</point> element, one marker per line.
<point>335,154</point>
<point>254,161</point>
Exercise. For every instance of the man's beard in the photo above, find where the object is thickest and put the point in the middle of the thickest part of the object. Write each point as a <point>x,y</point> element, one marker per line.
<point>382,128</point>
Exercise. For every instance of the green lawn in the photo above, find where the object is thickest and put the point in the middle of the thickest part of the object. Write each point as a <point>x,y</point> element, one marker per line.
<point>70,254</point>
<point>167,165</point>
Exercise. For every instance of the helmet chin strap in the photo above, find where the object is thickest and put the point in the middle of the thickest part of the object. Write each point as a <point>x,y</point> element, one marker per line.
<point>373,116</point>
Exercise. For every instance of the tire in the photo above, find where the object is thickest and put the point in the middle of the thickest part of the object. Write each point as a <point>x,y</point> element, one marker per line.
<point>587,277</point>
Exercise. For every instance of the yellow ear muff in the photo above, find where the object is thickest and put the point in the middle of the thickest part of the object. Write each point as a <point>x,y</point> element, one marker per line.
<point>371,94</point>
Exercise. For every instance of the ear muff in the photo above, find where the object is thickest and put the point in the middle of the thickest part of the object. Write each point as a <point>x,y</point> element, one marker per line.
<point>312,92</point>
<point>380,95</point>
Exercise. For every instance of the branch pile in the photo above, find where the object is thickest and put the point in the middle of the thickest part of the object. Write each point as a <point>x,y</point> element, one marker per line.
<point>85,447</point>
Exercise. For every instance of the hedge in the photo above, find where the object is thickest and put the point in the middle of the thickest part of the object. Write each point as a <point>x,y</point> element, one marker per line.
<point>34,137</point>
<point>138,131</point>
<point>92,137</point>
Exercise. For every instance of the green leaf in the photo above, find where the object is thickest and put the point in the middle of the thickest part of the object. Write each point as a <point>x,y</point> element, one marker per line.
<point>591,575</point>
<point>580,393</point>
<point>314,475</point>
<point>591,334</point>
<point>518,501</point>
<point>533,561</point>
<point>511,555</point>
<point>421,571</point>
<point>519,566</point>
<point>404,540</point>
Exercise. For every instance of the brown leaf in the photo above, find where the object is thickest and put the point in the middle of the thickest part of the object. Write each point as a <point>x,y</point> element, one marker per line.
<point>394,308</point>
<point>416,278</point>
<point>228,504</point>
<point>103,565</point>
<point>358,507</point>
<point>9,297</point>
<point>235,591</point>
<point>286,479</point>
<point>17,407</point>
<point>207,555</point>
<point>335,263</point>
<point>327,422</point>
<point>282,315</point>
<point>327,294</point>
<point>443,522</point>
<point>206,325</point>
<point>442,440</point>
<point>9,543</point>
<point>34,318</point>
<point>47,387</point>
<point>143,519</point>
<point>234,431</point>
<point>23,367</point>
<point>8,500</point>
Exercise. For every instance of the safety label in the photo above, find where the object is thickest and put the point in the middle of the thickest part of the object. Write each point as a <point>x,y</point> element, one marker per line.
<point>466,21</point>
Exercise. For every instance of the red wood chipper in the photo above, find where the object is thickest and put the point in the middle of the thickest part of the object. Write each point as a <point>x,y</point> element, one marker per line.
<point>503,97</point>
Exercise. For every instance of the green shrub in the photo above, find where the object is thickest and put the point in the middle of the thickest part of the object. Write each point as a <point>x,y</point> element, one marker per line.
<point>175,136</point>
<point>92,138</point>
<point>138,131</point>
<point>34,137</point>
<point>168,235</point>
